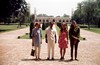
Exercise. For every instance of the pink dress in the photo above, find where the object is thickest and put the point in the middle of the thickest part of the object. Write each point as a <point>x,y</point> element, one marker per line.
<point>63,40</point>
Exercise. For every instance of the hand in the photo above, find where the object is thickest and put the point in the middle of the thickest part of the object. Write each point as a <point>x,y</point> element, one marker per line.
<point>46,40</point>
<point>67,42</point>
<point>75,37</point>
<point>58,41</point>
<point>41,42</point>
<point>66,39</point>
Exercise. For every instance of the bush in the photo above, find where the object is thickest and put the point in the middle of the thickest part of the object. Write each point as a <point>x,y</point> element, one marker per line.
<point>18,37</point>
<point>83,26</point>
<point>84,38</point>
<point>27,33</point>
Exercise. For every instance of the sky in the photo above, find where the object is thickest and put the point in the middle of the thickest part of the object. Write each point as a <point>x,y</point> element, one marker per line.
<point>53,7</point>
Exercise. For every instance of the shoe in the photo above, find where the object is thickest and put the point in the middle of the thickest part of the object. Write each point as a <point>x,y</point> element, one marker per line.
<point>36,58</point>
<point>76,59</point>
<point>62,58</point>
<point>71,59</point>
<point>52,59</point>
<point>48,58</point>
<point>39,58</point>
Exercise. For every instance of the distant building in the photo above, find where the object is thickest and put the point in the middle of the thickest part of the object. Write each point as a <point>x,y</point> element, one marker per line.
<point>55,19</point>
<point>45,18</point>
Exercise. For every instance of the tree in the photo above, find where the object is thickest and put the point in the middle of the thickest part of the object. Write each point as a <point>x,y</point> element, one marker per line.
<point>11,7</point>
<point>97,12</point>
<point>42,15</point>
<point>88,12</point>
<point>32,18</point>
<point>65,15</point>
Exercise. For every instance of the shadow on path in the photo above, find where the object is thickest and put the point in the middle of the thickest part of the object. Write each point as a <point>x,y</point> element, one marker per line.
<point>49,60</point>
<point>39,60</point>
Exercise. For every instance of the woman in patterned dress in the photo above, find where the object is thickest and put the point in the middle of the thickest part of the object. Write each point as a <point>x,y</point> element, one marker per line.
<point>63,40</point>
<point>37,39</point>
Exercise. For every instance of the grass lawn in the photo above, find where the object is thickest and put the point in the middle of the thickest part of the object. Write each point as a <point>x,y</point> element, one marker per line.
<point>26,36</point>
<point>96,30</point>
<point>4,28</point>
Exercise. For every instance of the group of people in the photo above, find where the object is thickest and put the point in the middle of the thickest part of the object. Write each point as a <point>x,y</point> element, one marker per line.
<point>51,39</point>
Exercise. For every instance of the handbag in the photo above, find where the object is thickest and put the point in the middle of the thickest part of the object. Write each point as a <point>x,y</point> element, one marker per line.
<point>32,52</point>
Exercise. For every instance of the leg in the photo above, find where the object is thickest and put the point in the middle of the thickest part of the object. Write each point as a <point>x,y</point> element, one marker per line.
<point>71,45</point>
<point>48,51</point>
<point>61,52</point>
<point>76,47</point>
<point>52,50</point>
<point>64,51</point>
<point>36,52</point>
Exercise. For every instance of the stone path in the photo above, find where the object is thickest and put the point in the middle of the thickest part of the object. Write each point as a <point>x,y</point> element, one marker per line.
<point>15,51</point>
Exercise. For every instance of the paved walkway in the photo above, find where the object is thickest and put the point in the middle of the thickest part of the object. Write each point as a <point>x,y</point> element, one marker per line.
<point>15,51</point>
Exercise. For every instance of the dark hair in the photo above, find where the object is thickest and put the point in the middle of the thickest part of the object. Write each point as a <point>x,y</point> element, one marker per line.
<point>53,20</point>
<point>62,28</point>
<point>36,20</point>
<point>74,22</point>
<point>37,23</point>
<point>71,26</point>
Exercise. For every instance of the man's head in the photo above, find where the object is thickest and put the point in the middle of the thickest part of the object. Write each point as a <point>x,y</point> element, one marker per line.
<point>51,24</point>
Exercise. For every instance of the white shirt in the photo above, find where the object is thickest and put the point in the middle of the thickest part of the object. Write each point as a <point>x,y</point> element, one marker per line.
<point>51,33</point>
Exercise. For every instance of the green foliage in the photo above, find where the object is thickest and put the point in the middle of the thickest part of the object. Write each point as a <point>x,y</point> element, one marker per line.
<point>14,11</point>
<point>25,37</point>
<point>88,12</point>
<point>32,17</point>
<point>65,15</point>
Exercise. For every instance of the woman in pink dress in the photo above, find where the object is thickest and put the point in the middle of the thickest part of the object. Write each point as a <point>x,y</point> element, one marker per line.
<point>63,40</point>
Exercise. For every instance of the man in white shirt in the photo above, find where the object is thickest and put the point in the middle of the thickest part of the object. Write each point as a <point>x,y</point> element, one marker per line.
<point>51,39</point>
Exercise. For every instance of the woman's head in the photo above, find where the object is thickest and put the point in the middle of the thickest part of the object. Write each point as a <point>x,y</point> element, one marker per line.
<point>74,23</point>
<point>37,25</point>
<point>63,26</point>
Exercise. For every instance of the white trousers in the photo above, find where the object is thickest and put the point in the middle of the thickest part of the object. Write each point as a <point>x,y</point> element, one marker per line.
<point>50,46</point>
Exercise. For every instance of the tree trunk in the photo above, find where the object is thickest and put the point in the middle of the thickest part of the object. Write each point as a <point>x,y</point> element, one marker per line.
<point>88,25</point>
<point>88,21</point>
<point>99,23</point>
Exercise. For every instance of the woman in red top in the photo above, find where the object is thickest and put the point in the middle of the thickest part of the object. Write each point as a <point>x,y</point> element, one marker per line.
<point>63,40</point>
